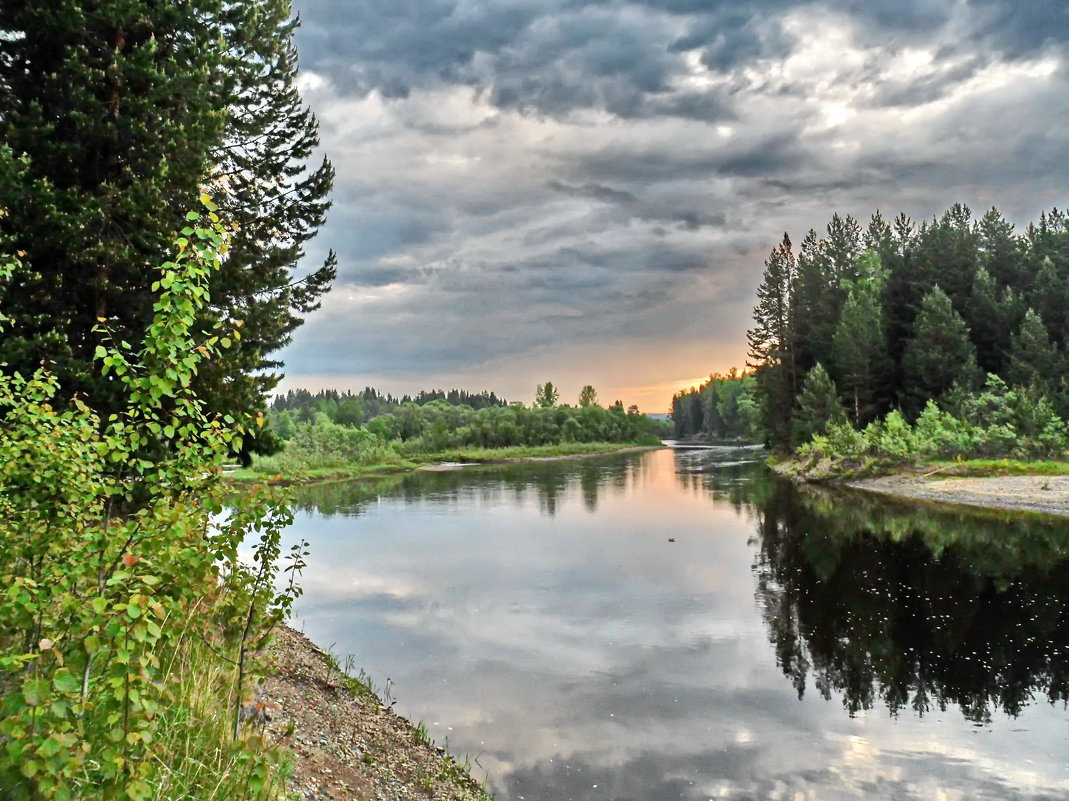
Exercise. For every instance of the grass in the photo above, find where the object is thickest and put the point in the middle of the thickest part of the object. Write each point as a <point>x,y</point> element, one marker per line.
<point>196,756</point>
<point>270,470</point>
<point>947,468</point>
<point>261,471</point>
<point>999,467</point>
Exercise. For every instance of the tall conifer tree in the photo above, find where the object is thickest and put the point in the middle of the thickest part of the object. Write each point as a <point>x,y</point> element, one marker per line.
<point>771,343</point>
<point>939,355</point>
<point>108,114</point>
<point>113,116</point>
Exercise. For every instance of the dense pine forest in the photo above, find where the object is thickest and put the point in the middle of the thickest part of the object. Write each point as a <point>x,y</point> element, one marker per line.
<point>895,324</point>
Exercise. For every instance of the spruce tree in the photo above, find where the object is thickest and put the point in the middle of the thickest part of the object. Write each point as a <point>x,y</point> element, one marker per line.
<point>113,117</point>
<point>990,322</point>
<point>108,114</point>
<point>817,301</point>
<point>265,187</point>
<point>771,343</point>
<point>939,355</point>
<point>818,405</point>
<point>1034,360</point>
<point>859,346</point>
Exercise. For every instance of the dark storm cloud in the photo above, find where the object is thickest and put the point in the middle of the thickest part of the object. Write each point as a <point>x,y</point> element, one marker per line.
<point>556,56</point>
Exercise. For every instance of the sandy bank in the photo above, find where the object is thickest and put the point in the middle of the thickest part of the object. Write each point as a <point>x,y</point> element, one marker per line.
<point>1048,494</point>
<point>348,745</point>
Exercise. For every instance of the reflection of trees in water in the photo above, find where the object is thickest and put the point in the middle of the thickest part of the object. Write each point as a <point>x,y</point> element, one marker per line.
<point>916,606</point>
<point>736,475</point>
<point>551,482</point>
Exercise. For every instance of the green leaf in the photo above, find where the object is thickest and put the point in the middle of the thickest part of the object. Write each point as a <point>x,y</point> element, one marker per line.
<point>66,682</point>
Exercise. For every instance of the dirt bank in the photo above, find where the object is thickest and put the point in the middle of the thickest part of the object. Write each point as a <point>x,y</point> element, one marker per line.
<point>348,745</point>
<point>1049,494</point>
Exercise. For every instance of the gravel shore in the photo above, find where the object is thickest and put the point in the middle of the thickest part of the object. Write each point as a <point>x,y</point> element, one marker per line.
<point>348,745</point>
<point>1048,494</point>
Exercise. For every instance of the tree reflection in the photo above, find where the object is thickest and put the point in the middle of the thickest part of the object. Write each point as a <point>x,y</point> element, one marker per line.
<point>915,606</point>
<point>551,483</point>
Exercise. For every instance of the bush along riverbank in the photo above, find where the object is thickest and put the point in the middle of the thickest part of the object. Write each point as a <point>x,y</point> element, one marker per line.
<point>324,450</point>
<point>1001,449</point>
<point>133,638</point>
<point>998,430</point>
<point>130,629</point>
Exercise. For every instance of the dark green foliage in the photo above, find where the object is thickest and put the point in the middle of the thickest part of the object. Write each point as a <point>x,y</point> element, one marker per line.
<point>859,346</point>
<point>264,182</point>
<point>113,115</point>
<point>818,405</point>
<point>1034,360</point>
<point>772,343</point>
<point>725,407</point>
<point>901,314</point>
<point>546,395</point>
<point>108,114</point>
<point>940,353</point>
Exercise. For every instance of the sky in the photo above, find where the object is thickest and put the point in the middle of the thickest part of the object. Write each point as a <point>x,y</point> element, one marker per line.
<point>585,191</point>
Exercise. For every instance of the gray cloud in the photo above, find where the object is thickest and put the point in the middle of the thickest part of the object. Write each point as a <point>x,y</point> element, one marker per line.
<point>526,182</point>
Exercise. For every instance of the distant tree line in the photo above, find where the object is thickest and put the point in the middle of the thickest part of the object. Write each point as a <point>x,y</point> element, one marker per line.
<point>439,425</point>
<point>886,317</point>
<point>724,407</point>
<point>332,429</point>
<point>357,408</point>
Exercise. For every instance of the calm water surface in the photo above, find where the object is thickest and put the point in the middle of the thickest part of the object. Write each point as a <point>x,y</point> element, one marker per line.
<point>787,645</point>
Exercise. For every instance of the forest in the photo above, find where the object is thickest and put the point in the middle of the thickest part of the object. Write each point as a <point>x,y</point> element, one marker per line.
<point>342,430</point>
<point>356,408</point>
<point>947,338</point>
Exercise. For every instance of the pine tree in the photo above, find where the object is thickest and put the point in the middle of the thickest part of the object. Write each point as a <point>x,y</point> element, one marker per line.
<point>859,347</point>
<point>108,113</point>
<point>264,186</point>
<point>113,116</point>
<point>1034,360</point>
<point>818,405</point>
<point>939,355</point>
<point>771,343</point>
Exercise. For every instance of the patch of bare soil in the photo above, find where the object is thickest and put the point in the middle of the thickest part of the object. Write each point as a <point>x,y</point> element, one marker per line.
<point>1048,494</point>
<point>347,745</point>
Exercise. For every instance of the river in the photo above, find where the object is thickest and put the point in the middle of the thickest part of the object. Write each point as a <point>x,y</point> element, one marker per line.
<point>679,624</point>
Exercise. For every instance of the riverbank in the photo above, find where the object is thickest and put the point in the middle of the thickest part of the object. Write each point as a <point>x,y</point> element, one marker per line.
<point>992,484</point>
<point>347,744</point>
<point>446,460</point>
<point>1047,494</point>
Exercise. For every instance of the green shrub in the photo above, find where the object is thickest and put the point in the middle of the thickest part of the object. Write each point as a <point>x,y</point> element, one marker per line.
<point>997,422</point>
<point>127,620</point>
